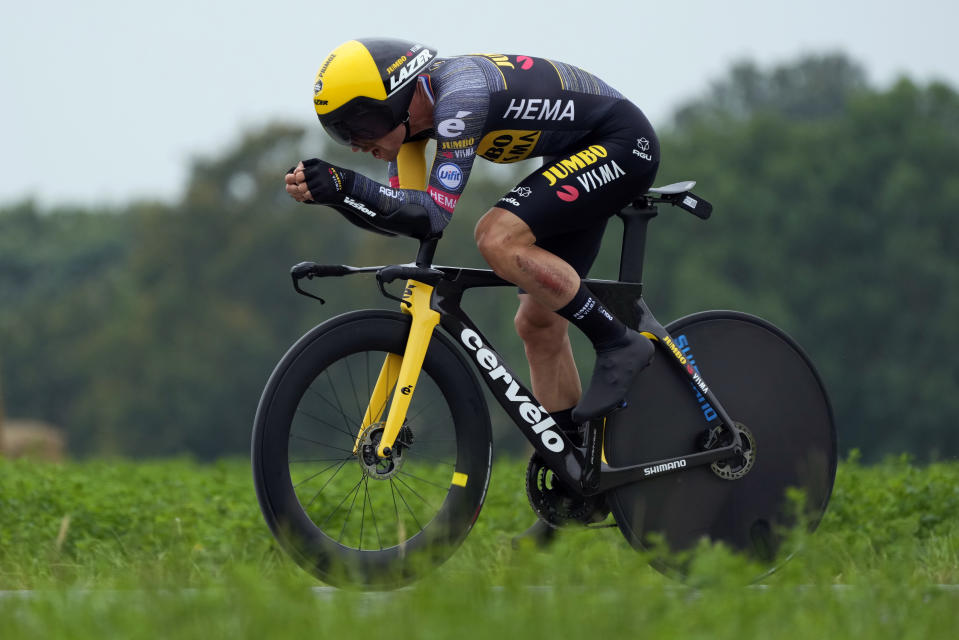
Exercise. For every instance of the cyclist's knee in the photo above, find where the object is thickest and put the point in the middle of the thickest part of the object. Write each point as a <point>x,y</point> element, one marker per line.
<point>499,233</point>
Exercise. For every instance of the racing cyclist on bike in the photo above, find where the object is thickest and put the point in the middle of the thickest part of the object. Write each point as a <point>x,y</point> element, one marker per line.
<point>388,97</point>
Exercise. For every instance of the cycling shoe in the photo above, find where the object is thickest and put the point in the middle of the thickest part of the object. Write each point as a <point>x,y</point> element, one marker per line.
<point>614,372</point>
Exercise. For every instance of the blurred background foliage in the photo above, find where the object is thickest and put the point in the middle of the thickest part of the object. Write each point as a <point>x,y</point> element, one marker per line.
<point>150,329</point>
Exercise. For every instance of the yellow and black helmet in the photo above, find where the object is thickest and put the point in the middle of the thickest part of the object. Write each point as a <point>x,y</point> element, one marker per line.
<point>364,87</point>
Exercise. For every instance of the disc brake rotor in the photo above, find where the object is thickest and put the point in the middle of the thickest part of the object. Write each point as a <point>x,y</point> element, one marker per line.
<point>739,466</point>
<point>374,466</point>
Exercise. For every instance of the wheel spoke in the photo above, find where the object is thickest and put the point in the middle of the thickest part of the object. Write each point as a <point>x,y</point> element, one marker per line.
<point>356,399</point>
<point>421,411</point>
<point>319,473</point>
<point>322,421</point>
<point>376,527</point>
<point>345,498</point>
<point>414,491</point>
<point>419,455</point>
<point>322,444</point>
<point>410,475</point>
<point>346,520</point>
<point>407,504</point>
<point>337,406</point>
<point>328,481</point>
<point>366,497</point>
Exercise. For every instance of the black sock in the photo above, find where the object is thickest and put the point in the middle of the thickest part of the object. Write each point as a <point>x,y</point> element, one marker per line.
<point>589,315</point>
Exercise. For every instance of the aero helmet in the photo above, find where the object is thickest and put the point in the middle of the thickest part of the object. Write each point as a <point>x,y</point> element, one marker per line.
<point>364,87</point>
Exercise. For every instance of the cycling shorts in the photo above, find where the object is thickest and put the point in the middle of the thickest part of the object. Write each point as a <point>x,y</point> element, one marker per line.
<point>568,200</point>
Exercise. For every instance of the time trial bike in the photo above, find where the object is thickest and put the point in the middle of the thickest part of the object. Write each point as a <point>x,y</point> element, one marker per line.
<point>372,444</point>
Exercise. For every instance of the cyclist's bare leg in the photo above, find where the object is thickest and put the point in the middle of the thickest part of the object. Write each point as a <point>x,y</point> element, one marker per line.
<point>553,376</point>
<point>552,370</point>
<point>507,244</point>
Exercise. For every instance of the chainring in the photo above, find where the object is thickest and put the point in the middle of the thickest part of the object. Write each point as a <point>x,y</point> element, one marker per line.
<point>555,503</point>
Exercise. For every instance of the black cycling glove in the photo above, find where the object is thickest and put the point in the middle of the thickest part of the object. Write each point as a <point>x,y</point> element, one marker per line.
<point>328,184</point>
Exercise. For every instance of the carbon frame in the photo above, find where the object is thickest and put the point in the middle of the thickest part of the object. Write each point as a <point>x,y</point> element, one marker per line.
<point>579,468</point>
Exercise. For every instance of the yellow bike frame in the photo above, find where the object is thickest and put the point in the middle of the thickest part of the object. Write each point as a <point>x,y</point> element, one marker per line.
<point>399,374</point>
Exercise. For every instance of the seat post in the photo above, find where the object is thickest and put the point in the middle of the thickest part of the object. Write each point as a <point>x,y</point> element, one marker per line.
<point>636,218</point>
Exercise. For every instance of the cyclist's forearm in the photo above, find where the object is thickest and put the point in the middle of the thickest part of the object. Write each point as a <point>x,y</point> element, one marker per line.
<point>384,200</point>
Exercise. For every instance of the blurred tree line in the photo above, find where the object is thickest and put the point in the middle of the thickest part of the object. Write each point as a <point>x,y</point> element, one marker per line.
<point>150,329</point>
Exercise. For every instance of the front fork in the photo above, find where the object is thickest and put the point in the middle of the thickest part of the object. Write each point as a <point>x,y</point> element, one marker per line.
<point>399,374</point>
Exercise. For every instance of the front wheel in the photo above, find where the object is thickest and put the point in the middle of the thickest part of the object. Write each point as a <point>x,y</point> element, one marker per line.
<point>344,514</point>
<point>770,388</point>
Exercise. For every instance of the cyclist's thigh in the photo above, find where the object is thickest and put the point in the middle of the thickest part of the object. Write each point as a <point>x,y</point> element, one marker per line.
<point>582,188</point>
<point>578,248</point>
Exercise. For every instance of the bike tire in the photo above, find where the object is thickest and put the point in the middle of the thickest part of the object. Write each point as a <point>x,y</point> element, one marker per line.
<point>338,522</point>
<point>765,382</point>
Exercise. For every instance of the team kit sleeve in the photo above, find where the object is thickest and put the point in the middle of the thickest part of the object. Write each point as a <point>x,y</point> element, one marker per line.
<point>457,140</point>
<point>458,132</point>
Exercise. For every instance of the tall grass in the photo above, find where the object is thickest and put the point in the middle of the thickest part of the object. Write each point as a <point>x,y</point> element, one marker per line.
<point>176,549</point>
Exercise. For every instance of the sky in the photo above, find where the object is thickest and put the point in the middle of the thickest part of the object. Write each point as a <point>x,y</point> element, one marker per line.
<point>107,101</point>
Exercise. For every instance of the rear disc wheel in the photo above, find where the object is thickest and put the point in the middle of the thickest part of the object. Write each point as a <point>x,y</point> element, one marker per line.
<point>768,385</point>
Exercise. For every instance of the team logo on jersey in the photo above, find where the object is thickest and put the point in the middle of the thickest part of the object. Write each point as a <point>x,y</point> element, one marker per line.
<point>452,127</point>
<point>462,143</point>
<point>359,206</point>
<point>600,176</point>
<point>396,194</point>
<point>643,145</point>
<point>525,62</point>
<point>508,145</point>
<point>446,201</point>
<point>499,60</point>
<point>522,192</point>
<point>541,109</point>
<point>449,175</point>
<point>574,163</point>
<point>567,193</point>
<point>462,154</point>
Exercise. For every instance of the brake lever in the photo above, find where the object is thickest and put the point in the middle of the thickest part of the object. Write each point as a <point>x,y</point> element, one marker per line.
<point>387,294</point>
<point>304,270</point>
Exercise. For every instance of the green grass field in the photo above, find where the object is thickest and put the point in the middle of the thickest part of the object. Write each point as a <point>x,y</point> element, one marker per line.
<point>174,549</point>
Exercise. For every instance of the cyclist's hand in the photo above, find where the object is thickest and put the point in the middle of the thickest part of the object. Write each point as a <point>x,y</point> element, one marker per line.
<point>296,184</point>
<point>316,181</point>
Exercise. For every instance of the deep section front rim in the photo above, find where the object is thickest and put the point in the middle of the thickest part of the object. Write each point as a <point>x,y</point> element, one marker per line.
<point>343,515</point>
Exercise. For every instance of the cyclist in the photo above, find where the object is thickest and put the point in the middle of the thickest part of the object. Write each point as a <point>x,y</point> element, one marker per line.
<point>388,97</point>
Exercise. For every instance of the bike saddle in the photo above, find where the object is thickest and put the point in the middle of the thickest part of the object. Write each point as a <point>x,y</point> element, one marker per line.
<point>674,188</point>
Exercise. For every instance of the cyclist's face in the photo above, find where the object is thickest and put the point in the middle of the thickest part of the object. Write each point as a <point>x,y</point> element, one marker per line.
<point>385,148</point>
